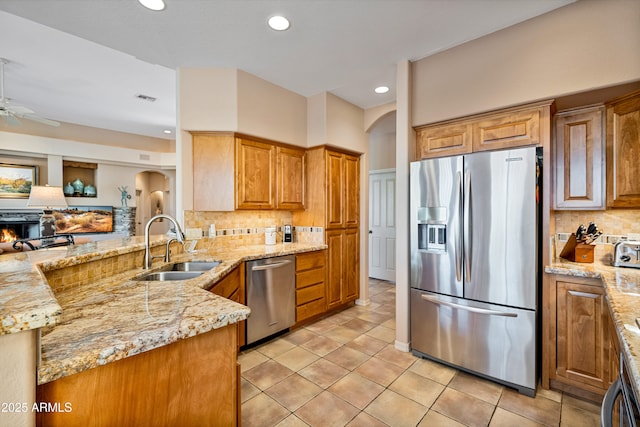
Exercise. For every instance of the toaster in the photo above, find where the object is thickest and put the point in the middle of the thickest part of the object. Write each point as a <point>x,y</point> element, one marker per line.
<point>626,253</point>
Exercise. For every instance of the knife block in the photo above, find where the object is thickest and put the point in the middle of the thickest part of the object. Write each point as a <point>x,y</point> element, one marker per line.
<point>577,252</point>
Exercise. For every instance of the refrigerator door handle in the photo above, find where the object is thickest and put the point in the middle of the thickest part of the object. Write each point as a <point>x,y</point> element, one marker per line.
<point>458,240</point>
<point>436,300</point>
<point>467,225</point>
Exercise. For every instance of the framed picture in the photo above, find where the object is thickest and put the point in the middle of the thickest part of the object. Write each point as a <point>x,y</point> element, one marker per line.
<point>16,180</point>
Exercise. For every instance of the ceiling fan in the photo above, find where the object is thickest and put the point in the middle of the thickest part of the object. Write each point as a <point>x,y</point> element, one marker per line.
<point>11,113</point>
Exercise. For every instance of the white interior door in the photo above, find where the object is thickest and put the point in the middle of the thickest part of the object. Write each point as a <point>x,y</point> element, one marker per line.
<point>382,224</point>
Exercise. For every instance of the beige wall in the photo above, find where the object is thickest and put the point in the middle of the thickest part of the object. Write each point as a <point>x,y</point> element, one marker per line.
<point>586,45</point>
<point>345,125</point>
<point>270,111</point>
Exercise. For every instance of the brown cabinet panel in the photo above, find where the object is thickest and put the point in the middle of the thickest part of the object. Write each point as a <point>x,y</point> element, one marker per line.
<point>335,185</point>
<point>513,129</point>
<point>255,175</point>
<point>189,382</point>
<point>232,287</point>
<point>623,152</point>
<point>309,260</point>
<point>213,171</point>
<point>351,191</point>
<point>579,159</point>
<point>310,293</point>
<point>310,277</point>
<point>290,191</point>
<point>576,337</point>
<point>351,264</point>
<point>443,140</point>
<point>335,265</point>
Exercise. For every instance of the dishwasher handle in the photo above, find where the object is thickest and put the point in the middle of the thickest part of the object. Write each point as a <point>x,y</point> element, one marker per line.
<point>270,266</point>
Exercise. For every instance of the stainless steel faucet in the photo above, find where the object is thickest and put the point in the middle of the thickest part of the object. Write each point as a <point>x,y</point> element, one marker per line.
<point>148,258</point>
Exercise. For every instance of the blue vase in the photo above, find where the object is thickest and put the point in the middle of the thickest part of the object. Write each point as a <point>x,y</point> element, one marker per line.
<point>78,187</point>
<point>68,189</point>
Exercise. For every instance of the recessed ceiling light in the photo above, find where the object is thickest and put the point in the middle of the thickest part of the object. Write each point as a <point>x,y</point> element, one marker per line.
<point>153,4</point>
<point>381,89</point>
<point>278,23</point>
<point>167,131</point>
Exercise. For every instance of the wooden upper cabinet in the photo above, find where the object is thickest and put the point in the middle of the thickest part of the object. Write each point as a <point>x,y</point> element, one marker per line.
<point>443,140</point>
<point>507,130</point>
<point>213,171</point>
<point>335,178</point>
<point>255,175</point>
<point>512,127</point>
<point>579,159</point>
<point>290,188</point>
<point>623,152</point>
<point>351,191</point>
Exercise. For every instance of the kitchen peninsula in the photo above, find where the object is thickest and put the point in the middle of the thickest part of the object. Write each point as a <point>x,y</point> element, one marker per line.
<point>112,346</point>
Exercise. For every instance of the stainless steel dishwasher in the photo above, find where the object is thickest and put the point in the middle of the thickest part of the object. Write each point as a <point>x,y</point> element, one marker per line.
<point>271,295</point>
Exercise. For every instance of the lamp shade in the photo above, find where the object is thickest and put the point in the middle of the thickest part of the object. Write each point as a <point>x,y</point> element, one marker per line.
<point>46,197</point>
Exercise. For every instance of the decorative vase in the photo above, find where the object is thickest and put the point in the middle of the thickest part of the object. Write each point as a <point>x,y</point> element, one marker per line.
<point>68,189</point>
<point>89,190</point>
<point>78,187</point>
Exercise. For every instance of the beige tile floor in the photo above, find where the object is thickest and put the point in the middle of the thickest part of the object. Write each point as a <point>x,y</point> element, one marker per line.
<point>343,370</point>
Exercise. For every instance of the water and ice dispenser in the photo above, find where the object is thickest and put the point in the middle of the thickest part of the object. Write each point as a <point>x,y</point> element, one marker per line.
<point>432,229</point>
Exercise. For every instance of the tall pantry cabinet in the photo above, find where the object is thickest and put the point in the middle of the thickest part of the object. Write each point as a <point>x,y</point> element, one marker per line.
<point>333,202</point>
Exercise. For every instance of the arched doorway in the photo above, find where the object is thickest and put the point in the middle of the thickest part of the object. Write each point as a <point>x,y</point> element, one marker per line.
<point>154,195</point>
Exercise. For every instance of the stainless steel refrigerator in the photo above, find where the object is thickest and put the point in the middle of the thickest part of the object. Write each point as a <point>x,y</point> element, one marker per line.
<point>474,263</point>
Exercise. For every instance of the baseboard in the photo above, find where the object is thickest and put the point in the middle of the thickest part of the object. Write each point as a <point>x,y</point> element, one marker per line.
<point>363,302</point>
<point>403,346</point>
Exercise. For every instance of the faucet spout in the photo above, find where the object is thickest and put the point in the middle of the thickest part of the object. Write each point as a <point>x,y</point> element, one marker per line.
<point>148,258</point>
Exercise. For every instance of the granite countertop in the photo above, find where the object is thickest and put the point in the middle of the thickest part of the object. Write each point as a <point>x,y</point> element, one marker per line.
<point>117,317</point>
<point>622,289</point>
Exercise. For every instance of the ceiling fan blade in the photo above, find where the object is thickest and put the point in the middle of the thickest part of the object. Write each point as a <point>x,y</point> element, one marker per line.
<point>19,109</point>
<point>40,120</point>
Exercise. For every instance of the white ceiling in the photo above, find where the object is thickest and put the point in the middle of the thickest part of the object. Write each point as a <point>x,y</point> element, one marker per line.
<point>83,61</point>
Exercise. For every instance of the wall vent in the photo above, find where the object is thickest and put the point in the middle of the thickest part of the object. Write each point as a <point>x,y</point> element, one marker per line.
<point>145,157</point>
<point>146,97</point>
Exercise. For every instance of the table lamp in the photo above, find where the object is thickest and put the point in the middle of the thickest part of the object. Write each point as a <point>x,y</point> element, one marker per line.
<point>47,198</point>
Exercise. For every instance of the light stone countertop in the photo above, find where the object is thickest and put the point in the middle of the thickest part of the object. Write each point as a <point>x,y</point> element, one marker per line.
<point>622,290</point>
<point>117,317</point>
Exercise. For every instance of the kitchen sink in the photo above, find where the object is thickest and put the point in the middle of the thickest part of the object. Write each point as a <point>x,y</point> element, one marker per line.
<point>194,265</point>
<point>163,276</point>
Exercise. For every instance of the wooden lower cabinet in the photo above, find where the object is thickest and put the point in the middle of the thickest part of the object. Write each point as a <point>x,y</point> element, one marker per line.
<point>311,298</point>
<point>579,337</point>
<point>232,287</point>
<point>343,264</point>
<point>191,382</point>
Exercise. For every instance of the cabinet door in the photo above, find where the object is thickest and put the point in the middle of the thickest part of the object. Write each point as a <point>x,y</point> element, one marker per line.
<point>443,140</point>
<point>351,191</point>
<point>581,335</point>
<point>511,129</point>
<point>351,283</point>
<point>579,160</point>
<point>290,191</point>
<point>623,152</point>
<point>232,287</point>
<point>335,267</point>
<point>213,172</point>
<point>255,175</point>
<point>335,193</point>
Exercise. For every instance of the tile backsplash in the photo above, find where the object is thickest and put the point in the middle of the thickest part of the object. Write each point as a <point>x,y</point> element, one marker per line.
<point>248,226</point>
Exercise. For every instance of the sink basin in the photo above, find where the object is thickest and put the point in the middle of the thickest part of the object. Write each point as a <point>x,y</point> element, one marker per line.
<point>194,266</point>
<point>163,276</point>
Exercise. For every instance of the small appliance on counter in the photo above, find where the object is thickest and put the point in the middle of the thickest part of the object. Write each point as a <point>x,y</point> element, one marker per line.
<point>287,233</point>
<point>270,236</point>
<point>626,253</point>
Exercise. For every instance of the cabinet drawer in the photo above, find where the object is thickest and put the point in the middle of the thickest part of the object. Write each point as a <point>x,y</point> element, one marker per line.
<point>310,293</point>
<point>309,260</point>
<point>310,277</point>
<point>310,309</point>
